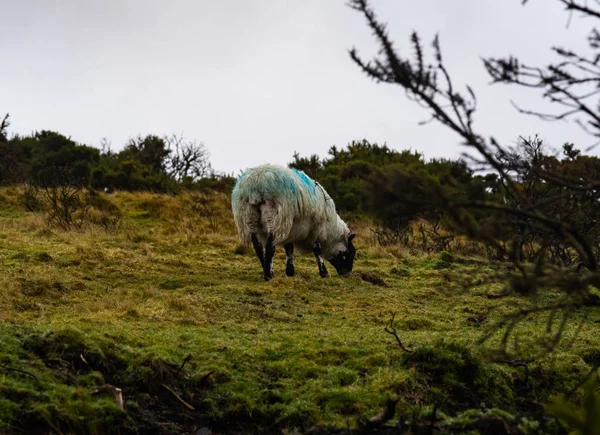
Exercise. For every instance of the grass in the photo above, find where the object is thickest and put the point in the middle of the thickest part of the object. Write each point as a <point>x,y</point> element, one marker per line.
<point>84,310</point>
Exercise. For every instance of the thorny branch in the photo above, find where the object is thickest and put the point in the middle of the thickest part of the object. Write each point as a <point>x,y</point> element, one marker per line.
<point>545,207</point>
<point>422,85</point>
<point>571,82</point>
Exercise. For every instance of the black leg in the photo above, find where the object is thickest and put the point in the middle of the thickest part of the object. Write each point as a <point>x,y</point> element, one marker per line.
<point>258,248</point>
<point>289,259</point>
<point>318,256</point>
<point>269,253</point>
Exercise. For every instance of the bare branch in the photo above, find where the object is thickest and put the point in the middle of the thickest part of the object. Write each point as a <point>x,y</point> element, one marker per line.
<point>187,159</point>
<point>390,329</point>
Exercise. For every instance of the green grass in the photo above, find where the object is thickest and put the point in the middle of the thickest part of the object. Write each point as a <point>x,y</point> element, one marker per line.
<point>82,309</point>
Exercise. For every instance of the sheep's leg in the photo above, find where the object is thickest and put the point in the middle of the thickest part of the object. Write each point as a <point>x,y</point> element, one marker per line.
<point>258,248</point>
<point>289,259</point>
<point>319,257</point>
<point>269,254</point>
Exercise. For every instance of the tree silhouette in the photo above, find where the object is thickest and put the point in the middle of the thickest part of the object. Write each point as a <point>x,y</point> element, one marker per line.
<point>4,124</point>
<point>187,159</point>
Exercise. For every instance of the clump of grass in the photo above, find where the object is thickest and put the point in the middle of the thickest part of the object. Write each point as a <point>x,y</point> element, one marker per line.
<point>400,271</point>
<point>458,380</point>
<point>241,250</point>
<point>171,284</point>
<point>416,323</point>
<point>43,257</point>
<point>445,256</point>
<point>41,288</point>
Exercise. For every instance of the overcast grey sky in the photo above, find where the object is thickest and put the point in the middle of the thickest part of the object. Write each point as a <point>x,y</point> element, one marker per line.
<point>256,80</point>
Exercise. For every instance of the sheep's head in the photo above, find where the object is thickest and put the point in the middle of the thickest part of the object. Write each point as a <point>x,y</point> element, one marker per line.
<point>344,259</point>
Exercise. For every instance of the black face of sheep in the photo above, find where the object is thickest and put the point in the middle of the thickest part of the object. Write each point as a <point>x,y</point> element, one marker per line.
<point>344,261</point>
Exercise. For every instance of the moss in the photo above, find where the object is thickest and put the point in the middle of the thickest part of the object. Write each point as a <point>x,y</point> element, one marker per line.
<point>460,379</point>
<point>41,393</point>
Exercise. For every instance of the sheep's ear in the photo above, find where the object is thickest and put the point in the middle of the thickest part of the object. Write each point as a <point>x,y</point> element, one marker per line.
<point>350,237</point>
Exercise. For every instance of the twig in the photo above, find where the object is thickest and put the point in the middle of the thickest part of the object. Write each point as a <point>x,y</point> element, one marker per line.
<point>185,361</point>
<point>10,369</point>
<point>178,397</point>
<point>84,360</point>
<point>387,414</point>
<point>392,331</point>
<point>205,377</point>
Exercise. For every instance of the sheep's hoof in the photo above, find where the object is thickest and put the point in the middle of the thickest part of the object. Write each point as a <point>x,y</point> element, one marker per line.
<point>324,274</point>
<point>289,270</point>
<point>268,277</point>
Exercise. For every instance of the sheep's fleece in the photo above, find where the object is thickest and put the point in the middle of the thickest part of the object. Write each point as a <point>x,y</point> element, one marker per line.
<point>288,203</point>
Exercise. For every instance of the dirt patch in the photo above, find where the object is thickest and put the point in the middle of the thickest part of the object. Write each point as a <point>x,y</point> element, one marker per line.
<point>373,279</point>
<point>43,257</point>
<point>41,288</point>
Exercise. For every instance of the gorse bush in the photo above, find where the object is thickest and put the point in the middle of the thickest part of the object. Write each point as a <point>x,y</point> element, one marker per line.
<point>150,163</point>
<point>396,187</point>
<point>69,207</point>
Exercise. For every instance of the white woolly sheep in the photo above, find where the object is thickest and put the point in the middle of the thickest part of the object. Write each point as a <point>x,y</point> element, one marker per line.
<point>274,205</point>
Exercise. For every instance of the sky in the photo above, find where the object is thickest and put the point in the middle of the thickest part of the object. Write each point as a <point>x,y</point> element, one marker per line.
<point>257,80</point>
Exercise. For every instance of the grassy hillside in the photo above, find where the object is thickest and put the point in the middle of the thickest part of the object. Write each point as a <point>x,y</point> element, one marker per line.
<point>168,308</point>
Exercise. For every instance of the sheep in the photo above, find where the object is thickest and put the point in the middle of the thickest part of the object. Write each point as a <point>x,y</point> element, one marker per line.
<point>275,205</point>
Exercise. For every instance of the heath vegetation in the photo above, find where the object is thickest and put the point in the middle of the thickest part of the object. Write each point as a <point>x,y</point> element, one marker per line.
<point>128,305</point>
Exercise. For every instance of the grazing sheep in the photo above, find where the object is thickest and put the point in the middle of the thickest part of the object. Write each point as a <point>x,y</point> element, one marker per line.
<point>274,205</point>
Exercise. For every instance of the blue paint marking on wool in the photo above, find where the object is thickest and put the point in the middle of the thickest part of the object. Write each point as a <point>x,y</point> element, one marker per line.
<point>273,180</point>
<point>306,180</point>
<point>281,182</point>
